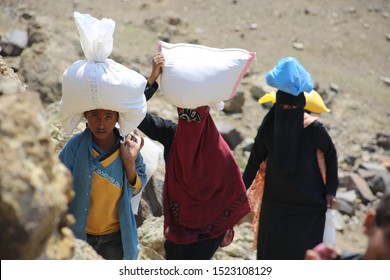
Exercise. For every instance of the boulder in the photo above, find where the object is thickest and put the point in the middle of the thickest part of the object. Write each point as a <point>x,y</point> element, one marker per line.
<point>34,186</point>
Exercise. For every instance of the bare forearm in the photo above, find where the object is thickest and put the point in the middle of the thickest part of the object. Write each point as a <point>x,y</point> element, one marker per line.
<point>131,173</point>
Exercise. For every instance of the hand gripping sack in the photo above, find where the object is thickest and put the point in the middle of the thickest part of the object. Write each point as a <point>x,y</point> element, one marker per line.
<point>196,75</point>
<point>99,82</point>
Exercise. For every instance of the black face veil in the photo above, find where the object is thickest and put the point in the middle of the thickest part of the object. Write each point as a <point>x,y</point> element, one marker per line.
<point>288,129</point>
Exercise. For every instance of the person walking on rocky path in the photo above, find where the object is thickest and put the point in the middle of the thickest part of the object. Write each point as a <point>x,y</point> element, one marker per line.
<point>286,154</point>
<point>204,195</point>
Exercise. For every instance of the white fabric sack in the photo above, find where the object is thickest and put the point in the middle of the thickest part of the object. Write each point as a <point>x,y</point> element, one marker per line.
<point>329,230</point>
<point>99,82</point>
<point>196,75</point>
<point>151,153</point>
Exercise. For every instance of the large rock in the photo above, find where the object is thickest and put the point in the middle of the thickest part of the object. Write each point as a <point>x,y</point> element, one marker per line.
<point>352,181</point>
<point>34,186</point>
<point>235,104</point>
<point>229,134</point>
<point>49,54</point>
<point>13,42</point>
<point>151,239</point>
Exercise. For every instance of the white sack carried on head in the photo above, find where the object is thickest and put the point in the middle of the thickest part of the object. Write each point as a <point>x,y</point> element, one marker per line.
<point>99,82</point>
<point>196,75</point>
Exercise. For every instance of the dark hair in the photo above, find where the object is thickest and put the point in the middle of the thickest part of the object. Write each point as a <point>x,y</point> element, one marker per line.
<point>383,211</point>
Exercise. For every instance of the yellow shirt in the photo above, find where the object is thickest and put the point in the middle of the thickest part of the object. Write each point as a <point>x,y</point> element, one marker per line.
<point>103,216</point>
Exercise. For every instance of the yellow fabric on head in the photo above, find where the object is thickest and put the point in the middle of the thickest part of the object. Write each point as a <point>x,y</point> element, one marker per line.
<point>314,101</point>
<point>268,97</point>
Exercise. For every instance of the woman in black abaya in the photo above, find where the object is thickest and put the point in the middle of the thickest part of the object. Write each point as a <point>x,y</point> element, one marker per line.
<point>295,197</point>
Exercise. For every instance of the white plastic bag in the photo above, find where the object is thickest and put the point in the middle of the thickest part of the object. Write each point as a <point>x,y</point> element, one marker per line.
<point>290,76</point>
<point>151,153</point>
<point>329,230</point>
<point>196,75</point>
<point>96,36</point>
<point>99,82</point>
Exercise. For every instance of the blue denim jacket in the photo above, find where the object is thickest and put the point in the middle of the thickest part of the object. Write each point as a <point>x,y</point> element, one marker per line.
<point>77,156</point>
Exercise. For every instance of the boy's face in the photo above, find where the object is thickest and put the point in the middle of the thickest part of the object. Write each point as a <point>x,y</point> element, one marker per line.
<point>101,122</point>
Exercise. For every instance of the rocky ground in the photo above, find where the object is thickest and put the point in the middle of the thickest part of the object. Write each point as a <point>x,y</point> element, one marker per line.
<point>345,45</point>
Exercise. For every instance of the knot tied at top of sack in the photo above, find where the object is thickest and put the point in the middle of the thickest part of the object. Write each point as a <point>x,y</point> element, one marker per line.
<point>96,36</point>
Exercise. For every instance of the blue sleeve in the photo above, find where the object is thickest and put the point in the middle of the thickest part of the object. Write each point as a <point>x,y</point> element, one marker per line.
<point>141,170</point>
<point>67,155</point>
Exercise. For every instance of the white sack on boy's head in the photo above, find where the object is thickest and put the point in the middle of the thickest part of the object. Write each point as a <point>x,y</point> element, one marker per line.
<point>99,82</point>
